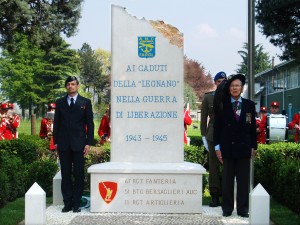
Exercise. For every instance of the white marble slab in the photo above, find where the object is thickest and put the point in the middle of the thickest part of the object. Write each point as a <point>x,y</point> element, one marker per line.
<point>153,188</point>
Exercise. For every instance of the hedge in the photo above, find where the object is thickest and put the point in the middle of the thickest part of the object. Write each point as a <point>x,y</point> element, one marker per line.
<point>277,169</point>
<point>24,161</point>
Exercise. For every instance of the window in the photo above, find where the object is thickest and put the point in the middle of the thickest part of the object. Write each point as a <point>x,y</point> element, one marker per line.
<point>280,82</point>
<point>298,68</point>
<point>292,78</point>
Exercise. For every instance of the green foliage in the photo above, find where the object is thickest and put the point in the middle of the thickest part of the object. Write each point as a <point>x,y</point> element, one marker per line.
<point>262,60</point>
<point>195,154</point>
<point>105,58</point>
<point>22,162</point>
<point>4,187</point>
<point>93,73</point>
<point>19,72</point>
<point>279,20</point>
<point>41,21</point>
<point>190,96</point>
<point>277,169</point>
<point>196,140</point>
<point>42,172</point>
<point>60,62</point>
<point>24,149</point>
<point>96,155</point>
<point>39,74</point>
<point>13,167</point>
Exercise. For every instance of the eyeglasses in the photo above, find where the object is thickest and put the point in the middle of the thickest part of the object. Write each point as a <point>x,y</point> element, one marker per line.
<point>235,86</point>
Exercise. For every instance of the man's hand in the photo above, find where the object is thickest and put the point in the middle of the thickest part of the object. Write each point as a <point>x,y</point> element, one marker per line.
<point>219,155</point>
<point>296,126</point>
<point>205,143</point>
<point>86,150</point>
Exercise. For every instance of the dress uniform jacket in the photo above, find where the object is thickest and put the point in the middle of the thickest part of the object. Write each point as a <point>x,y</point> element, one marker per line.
<point>207,110</point>
<point>236,138</point>
<point>73,129</point>
<point>291,125</point>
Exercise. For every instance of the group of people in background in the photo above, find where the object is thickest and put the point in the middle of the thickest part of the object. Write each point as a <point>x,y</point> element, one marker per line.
<point>46,128</point>
<point>10,121</point>
<point>295,124</point>
<point>261,122</point>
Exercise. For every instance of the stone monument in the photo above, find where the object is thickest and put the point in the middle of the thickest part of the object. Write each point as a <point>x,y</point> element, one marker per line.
<point>147,172</point>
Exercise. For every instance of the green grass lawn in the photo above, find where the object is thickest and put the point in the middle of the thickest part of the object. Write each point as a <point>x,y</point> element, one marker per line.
<point>14,212</point>
<point>26,128</point>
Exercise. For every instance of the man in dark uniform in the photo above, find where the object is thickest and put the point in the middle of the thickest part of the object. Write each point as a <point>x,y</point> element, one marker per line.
<point>235,143</point>
<point>73,134</point>
<point>207,122</point>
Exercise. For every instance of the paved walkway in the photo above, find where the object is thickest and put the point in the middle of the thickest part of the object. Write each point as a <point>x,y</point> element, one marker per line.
<point>210,216</point>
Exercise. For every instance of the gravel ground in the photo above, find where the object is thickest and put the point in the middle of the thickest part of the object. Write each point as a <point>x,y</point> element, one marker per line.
<point>211,216</point>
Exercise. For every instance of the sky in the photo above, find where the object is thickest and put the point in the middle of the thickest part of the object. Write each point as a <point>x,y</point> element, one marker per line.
<point>214,30</point>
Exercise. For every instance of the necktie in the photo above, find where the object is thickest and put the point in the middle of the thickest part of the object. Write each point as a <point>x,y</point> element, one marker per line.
<point>236,110</point>
<point>72,103</point>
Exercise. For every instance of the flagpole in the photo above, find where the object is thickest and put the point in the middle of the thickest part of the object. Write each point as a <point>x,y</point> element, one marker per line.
<point>251,60</point>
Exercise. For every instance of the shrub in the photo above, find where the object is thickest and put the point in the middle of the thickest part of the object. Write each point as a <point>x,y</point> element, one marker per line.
<point>195,154</point>
<point>13,168</point>
<point>25,149</point>
<point>277,169</point>
<point>4,187</point>
<point>96,155</point>
<point>196,141</point>
<point>42,172</point>
<point>289,177</point>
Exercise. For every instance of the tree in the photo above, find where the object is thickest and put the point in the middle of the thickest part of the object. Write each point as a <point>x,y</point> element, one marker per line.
<point>32,77</point>
<point>60,62</point>
<point>262,60</point>
<point>190,96</point>
<point>42,21</point>
<point>92,72</point>
<point>17,74</point>
<point>103,88</point>
<point>195,76</point>
<point>105,58</point>
<point>279,20</point>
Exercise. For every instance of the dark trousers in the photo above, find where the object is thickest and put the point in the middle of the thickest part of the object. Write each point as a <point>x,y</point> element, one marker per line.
<point>72,173</point>
<point>214,179</point>
<point>239,169</point>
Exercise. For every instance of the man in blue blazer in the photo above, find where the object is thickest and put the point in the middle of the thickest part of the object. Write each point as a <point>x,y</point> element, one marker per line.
<point>73,134</point>
<point>235,143</point>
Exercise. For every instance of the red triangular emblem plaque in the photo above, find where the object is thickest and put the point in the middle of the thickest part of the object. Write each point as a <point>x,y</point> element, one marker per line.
<point>108,190</point>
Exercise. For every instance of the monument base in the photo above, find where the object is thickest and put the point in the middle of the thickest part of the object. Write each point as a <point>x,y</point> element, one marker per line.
<point>146,187</point>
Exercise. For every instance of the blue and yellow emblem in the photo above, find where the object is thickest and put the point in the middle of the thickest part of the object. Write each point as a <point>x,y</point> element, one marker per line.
<point>146,47</point>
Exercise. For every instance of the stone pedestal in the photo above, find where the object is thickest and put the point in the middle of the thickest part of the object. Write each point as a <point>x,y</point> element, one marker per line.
<point>147,172</point>
<point>57,195</point>
<point>146,187</point>
<point>259,206</point>
<point>35,206</point>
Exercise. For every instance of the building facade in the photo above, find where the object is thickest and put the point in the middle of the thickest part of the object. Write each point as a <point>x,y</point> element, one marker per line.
<point>282,84</point>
